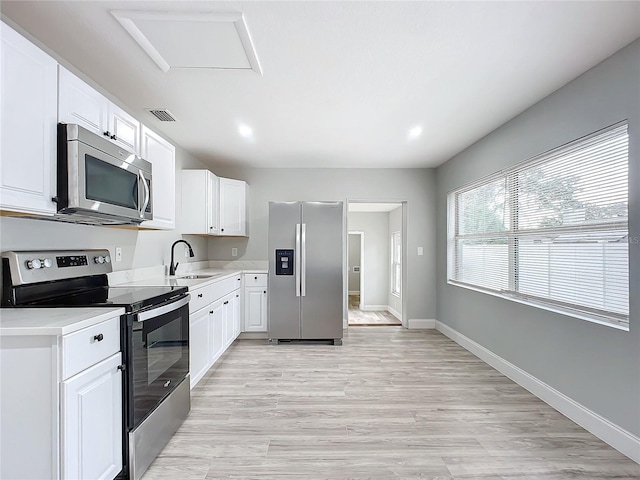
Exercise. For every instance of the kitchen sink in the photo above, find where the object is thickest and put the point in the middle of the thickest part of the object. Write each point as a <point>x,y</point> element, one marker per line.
<point>194,277</point>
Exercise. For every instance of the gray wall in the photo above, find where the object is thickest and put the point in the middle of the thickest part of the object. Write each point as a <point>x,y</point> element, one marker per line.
<point>416,186</point>
<point>140,248</point>
<point>375,274</point>
<point>353,253</point>
<point>395,225</point>
<point>596,365</point>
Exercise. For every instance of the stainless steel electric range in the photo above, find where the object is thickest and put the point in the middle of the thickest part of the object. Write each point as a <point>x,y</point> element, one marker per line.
<point>154,338</point>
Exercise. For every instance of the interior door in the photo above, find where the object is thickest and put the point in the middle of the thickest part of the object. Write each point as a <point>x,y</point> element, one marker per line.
<point>322,256</point>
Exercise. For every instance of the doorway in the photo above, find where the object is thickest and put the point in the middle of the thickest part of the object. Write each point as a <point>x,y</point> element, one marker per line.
<point>374,263</point>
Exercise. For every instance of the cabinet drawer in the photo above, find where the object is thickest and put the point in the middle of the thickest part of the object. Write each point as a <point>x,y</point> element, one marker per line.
<point>200,297</point>
<point>89,346</point>
<point>255,279</point>
<point>226,286</point>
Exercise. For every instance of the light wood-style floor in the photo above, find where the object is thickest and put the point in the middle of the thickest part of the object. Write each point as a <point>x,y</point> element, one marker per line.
<point>358,317</point>
<point>388,404</point>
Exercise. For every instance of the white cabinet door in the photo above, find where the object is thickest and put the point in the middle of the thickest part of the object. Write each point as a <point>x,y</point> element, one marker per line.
<point>28,112</point>
<point>233,207</point>
<point>229,303</point>
<point>199,202</point>
<point>213,203</point>
<point>255,309</point>
<point>162,156</point>
<point>124,129</point>
<point>91,430</point>
<point>237,315</point>
<point>199,344</point>
<point>217,319</point>
<point>80,103</point>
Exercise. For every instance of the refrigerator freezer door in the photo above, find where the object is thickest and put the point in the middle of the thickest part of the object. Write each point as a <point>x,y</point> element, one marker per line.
<point>284,305</point>
<point>321,257</point>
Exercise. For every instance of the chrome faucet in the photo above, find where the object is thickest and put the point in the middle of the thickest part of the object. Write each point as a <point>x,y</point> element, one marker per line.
<point>172,267</point>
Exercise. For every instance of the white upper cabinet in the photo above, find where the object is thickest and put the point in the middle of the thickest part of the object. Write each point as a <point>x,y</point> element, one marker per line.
<point>124,129</point>
<point>199,202</point>
<point>162,156</point>
<point>28,99</point>
<point>82,104</point>
<point>233,207</point>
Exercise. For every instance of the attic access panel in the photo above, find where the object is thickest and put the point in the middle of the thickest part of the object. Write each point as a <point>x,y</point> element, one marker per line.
<point>192,40</point>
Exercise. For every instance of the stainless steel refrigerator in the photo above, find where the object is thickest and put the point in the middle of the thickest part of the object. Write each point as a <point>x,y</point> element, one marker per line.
<point>305,271</point>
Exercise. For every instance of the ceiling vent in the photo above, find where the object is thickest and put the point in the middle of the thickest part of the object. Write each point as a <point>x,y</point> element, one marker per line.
<point>175,40</point>
<point>162,114</point>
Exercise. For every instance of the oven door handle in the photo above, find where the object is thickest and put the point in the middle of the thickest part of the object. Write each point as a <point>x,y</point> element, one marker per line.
<point>169,307</point>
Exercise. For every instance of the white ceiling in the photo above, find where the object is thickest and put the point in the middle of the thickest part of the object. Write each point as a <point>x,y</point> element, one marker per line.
<point>343,82</point>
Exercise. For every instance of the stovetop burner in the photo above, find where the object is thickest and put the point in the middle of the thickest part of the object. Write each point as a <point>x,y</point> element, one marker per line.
<point>133,299</point>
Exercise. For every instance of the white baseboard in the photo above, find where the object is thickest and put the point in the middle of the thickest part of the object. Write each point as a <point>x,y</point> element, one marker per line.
<point>394,312</point>
<point>373,308</point>
<point>625,442</point>
<point>421,323</point>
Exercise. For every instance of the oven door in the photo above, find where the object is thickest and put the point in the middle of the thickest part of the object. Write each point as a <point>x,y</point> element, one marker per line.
<point>157,351</point>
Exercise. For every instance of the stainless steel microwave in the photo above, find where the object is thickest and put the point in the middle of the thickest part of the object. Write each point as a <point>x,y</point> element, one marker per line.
<point>99,182</point>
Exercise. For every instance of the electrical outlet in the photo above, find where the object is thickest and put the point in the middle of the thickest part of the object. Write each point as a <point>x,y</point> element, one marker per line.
<point>118,254</point>
<point>234,252</point>
<point>420,251</point>
<point>186,251</point>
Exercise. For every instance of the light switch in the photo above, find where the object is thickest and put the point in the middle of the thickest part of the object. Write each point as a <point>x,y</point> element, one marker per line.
<point>420,251</point>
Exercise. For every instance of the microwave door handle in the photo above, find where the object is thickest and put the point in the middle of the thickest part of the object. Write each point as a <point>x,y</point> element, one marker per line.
<point>147,194</point>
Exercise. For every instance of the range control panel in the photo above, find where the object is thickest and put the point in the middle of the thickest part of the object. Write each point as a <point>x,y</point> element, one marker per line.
<point>46,265</point>
<point>284,261</point>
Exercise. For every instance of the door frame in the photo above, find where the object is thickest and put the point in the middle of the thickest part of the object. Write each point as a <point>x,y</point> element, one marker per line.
<point>404,205</point>
<point>361,234</point>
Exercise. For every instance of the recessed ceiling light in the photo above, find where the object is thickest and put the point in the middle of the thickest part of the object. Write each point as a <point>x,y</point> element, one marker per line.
<point>415,132</point>
<point>245,131</point>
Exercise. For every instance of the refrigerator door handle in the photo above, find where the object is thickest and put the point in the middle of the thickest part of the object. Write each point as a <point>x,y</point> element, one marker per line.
<point>303,267</point>
<point>296,260</point>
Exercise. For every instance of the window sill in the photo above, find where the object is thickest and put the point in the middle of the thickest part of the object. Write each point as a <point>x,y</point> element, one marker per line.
<point>544,306</point>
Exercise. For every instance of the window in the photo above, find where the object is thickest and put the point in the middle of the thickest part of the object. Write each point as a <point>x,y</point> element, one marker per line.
<point>396,261</point>
<point>551,231</point>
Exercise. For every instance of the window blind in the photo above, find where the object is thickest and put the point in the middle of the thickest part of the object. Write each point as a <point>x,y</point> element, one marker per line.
<point>552,229</point>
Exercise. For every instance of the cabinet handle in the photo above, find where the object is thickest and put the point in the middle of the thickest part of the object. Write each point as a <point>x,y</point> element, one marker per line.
<point>264,292</point>
<point>222,229</point>
<point>237,296</point>
<point>211,311</point>
<point>107,134</point>
<point>255,278</point>
<point>122,367</point>
<point>199,295</point>
<point>225,303</point>
<point>113,137</point>
<point>99,337</point>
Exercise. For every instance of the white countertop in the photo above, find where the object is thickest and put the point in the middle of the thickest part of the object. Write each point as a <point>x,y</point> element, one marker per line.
<point>213,275</point>
<point>52,321</point>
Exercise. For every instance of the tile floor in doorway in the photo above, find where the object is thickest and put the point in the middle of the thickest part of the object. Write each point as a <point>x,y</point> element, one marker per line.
<point>358,317</point>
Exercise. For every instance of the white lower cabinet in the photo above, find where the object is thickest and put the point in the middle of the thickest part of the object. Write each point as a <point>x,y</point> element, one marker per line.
<point>255,309</point>
<point>255,302</point>
<point>214,322</point>
<point>217,330</point>
<point>92,422</point>
<point>199,340</point>
<point>61,404</point>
